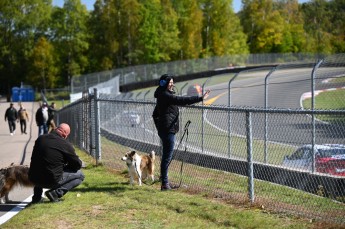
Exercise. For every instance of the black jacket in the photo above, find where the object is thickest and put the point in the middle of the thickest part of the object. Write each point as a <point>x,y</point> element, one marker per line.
<point>11,114</point>
<point>51,156</point>
<point>166,112</point>
<point>40,119</point>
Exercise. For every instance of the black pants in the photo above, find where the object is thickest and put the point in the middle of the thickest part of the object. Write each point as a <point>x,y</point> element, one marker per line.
<point>68,181</point>
<point>23,125</point>
<point>12,125</point>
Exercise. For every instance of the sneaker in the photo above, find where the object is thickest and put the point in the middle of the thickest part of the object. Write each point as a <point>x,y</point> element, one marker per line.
<point>11,134</point>
<point>51,195</point>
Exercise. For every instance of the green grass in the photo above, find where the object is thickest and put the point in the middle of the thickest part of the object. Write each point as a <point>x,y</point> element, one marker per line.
<point>233,188</point>
<point>106,200</point>
<point>338,80</point>
<point>329,100</point>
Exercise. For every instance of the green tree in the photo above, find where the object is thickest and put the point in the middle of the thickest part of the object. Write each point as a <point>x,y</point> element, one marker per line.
<point>158,32</point>
<point>190,27</point>
<point>169,43</point>
<point>222,33</point>
<point>294,36</point>
<point>317,21</point>
<point>103,26</point>
<point>21,22</point>
<point>130,18</point>
<point>149,32</point>
<point>70,38</point>
<point>114,25</point>
<point>42,72</point>
<point>337,7</point>
<point>264,26</point>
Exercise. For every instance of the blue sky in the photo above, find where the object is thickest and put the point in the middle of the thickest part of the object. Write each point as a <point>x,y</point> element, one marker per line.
<point>89,3</point>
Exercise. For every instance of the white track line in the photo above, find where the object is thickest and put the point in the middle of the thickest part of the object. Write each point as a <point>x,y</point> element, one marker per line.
<point>14,211</point>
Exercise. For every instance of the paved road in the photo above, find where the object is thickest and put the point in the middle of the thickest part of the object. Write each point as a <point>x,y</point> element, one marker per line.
<point>16,149</point>
<point>286,86</point>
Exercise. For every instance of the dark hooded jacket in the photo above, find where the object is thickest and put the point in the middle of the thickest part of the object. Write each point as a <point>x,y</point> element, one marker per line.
<point>166,112</point>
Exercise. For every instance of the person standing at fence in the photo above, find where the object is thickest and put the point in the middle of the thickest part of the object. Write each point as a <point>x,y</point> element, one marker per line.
<point>51,114</point>
<point>23,116</point>
<point>54,165</point>
<point>166,119</point>
<point>42,119</point>
<point>11,116</point>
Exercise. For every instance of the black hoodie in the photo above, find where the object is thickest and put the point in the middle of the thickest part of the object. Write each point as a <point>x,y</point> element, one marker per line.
<point>166,112</point>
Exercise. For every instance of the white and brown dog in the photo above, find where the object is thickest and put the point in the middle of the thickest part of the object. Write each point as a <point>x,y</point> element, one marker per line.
<point>141,166</point>
<point>12,176</point>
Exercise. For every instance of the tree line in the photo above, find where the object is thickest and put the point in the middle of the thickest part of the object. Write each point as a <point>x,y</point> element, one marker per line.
<point>44,45</point>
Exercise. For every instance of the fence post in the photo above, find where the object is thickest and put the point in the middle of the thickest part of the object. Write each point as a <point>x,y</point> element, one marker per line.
<point>203,117</point>
<point>313,113</point>
<point>229,113</point>
<point>97,127</point>
<point>266,106</point>
<point>250,157</point>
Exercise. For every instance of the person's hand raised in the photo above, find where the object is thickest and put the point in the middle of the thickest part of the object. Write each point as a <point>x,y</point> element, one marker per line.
<point>207,93</point>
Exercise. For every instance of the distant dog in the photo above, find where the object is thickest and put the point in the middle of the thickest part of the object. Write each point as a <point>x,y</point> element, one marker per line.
<point>12,176</point>
<point>141,166</point>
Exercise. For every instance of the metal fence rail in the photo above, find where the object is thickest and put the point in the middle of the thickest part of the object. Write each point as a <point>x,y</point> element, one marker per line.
<point>237,151</point>
<point>142,73</point>
<point>218,161</point>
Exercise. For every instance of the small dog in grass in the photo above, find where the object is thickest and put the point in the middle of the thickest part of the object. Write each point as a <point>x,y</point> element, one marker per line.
<point>12,176</point>
<point>141,166</point>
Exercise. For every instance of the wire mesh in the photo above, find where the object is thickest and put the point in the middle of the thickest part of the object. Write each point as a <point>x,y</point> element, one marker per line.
<point>298,154</point>
<point>215,156</point>
<point>141,73</point>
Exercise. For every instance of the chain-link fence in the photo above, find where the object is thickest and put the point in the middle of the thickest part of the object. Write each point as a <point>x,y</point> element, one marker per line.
<point>243,166</point>
<point>142,73</point>
<point>279,157</point>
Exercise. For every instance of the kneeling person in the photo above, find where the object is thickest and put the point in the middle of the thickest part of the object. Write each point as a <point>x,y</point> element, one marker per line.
<point>54,165</point>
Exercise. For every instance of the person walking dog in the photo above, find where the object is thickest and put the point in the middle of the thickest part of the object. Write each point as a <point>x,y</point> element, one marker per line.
<point>166,118</point>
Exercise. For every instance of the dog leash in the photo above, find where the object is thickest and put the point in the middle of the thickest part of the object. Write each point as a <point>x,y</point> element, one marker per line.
<point>185,132</point>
